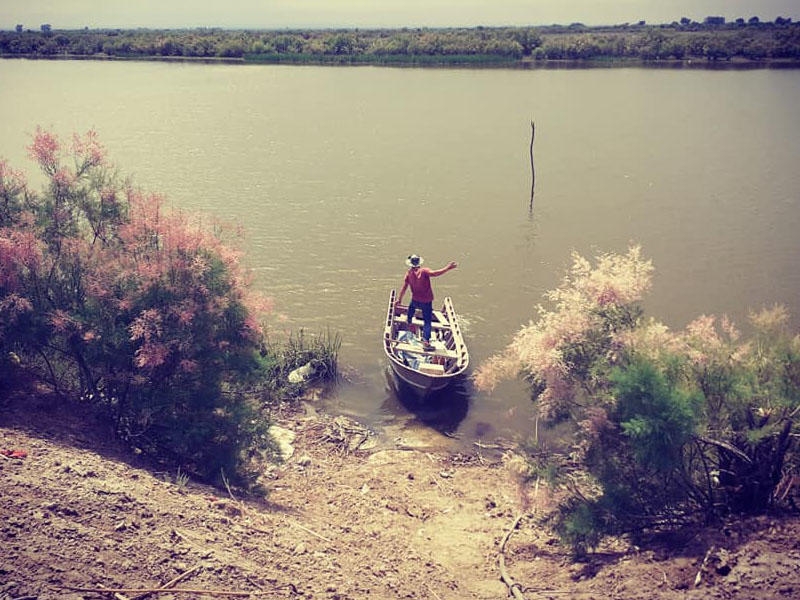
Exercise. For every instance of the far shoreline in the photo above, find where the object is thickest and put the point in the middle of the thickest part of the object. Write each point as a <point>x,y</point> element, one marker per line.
<point>713,44</point>
<point>464,62</point>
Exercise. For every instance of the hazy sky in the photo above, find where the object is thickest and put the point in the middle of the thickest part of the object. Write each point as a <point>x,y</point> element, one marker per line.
<point>267,14</point>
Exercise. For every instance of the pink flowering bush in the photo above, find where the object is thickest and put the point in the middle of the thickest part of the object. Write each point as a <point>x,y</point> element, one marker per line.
<point>664,424</point>
<point>559,353</point>
<point>142,311</point>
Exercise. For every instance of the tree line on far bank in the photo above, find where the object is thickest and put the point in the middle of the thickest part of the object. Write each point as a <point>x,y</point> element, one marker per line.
<point>713,40</point>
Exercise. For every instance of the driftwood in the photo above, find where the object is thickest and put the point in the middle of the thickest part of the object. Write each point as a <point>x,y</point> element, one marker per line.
<point>146,591</point>
<point>726,446</point>
<point>698,579</point>
<point>168,587</point>
<point>307,530</point>
<point>170,583</point>
<point>434,594</point>
<point>513,587</point>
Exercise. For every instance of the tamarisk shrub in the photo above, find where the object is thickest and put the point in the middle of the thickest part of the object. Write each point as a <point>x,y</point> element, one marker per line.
<point>561,352</point>
<point>108,296</point>
<point>665,426</point>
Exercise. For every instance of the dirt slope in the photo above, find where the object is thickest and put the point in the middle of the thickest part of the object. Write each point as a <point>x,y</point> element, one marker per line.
<point>341,522</point>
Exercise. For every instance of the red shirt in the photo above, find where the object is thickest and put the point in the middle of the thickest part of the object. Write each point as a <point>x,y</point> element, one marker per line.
<point>419,280</point>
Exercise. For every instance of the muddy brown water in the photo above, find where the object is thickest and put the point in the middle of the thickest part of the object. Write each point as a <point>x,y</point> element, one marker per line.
<point>338,173</point>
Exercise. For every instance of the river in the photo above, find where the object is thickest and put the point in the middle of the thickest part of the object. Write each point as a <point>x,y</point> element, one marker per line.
<point>338,173</point>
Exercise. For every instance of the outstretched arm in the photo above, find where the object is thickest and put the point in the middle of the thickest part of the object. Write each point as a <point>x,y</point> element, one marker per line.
<point>445,269</point>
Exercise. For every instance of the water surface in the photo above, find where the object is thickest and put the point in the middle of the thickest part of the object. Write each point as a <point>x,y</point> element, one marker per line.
<point>338,173</point>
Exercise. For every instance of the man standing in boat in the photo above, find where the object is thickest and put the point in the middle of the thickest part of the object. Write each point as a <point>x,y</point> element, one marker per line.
<point>419,280</point>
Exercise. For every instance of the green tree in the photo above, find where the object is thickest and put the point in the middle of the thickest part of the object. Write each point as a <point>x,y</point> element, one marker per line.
<point>342,44</point>
<point>529,39</point>
<point>656,418</point>
<point>635,452</point>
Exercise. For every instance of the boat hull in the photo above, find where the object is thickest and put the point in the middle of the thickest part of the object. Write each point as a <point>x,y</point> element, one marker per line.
<point>424,371</point>
<point>423,384</point>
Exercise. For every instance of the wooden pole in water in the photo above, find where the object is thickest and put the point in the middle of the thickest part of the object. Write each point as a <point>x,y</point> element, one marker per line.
<point>533,170</point>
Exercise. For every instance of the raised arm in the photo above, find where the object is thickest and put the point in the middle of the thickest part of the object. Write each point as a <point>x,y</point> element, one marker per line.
<point>445,269</point>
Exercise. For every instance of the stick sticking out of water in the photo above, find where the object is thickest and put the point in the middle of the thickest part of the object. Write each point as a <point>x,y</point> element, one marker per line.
<point>533,170</point>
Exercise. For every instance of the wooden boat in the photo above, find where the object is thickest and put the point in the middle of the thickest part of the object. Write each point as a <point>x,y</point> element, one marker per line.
<point>431,370</point>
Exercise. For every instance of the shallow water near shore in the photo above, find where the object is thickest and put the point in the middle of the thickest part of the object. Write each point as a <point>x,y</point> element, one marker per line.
<point>338,173</point>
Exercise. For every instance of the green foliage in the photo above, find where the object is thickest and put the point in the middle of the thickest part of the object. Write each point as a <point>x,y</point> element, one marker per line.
<point>634,453</point>
<point>579,526</point>
<point>181,480</point>
<point>316,354</point>
<point>657,419</point>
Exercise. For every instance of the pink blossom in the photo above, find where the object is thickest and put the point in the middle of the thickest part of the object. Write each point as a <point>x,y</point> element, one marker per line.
<point>11,181</point>
<point>61,321</point>
<point>13,305</point>
<point>44,149</point>
<point>651,338</point>
<point>553,399</point>
<point>147,326</point>
<point>607,296</point>
<point>74,246</point>
<point>20,253</point>
<point>729,328</point>
<point>89,148</point>
<point>108,196</point>
<point>151,355</point>
<point>258,304</point>
<point>124,304</point>
<point>63,179</point>
<point>705,343</point>
<point>702,332</point>
<point>742,352</point>
<point>188,366</point>
<point>252,324</point>
<point>494,370</point>
<point>538,349</point>
<point>770,319</point>
<point>97,288</point>
<point>185,314</point>
<point>199,266</point>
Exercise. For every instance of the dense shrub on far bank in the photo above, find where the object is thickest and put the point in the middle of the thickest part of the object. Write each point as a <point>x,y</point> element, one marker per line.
<point>142,312</point>
<point>752,41</point>
<point>669,427</point>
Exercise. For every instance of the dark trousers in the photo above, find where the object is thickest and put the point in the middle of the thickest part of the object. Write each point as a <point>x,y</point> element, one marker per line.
<point>427,316</point>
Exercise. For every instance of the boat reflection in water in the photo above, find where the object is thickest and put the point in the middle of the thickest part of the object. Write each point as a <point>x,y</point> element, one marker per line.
<point>442,410</point>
